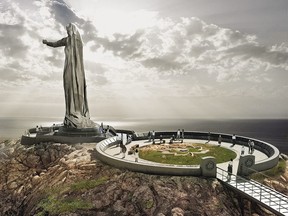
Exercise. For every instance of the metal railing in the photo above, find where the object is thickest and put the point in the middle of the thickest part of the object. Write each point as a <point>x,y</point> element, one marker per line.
<point>267,196</point>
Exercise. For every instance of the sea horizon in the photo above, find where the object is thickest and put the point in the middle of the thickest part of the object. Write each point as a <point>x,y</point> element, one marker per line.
<point>273,131</point>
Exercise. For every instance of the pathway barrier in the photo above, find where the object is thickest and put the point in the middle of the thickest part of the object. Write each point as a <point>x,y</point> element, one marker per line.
<point>267,197</point>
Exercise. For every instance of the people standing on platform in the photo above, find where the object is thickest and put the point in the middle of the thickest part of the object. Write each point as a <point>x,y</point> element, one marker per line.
<point>249,146</point>
<point>153,136</point>
<point>53,127</point>
<point>208,137</point>
<point>37,129</point>
<point>230,169</point>
<point>107,131</point>
<point>242,150</point>
<point>183,135</point>
<point>161,138</point>
<point>149,136</point>
<point>219,139</point>
<point>178,134</point>
<point>233,140</point>
<point>123,149</point>
<point>101,129</point>
<point>252,147</point>
<point>136,154</point>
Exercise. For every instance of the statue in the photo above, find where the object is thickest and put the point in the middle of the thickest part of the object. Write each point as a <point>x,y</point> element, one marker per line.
<point>77,112</point>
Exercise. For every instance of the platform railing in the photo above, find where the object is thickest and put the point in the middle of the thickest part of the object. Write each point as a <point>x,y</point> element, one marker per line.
<point>257,191</point>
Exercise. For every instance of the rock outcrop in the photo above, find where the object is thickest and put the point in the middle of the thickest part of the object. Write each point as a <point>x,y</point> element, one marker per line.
<point>57,179</point>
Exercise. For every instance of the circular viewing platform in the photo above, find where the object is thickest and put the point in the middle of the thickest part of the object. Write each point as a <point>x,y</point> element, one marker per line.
<point>265,155</point>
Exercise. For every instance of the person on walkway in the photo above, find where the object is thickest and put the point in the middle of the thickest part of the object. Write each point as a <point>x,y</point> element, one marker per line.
<point>182,135</point>
<point>107,131</point>
<point>230,169</point>
<point>249,146</point>
<point>101,129</point>
<point>242,150</point>
<point>178,134</point>
<point>153,137</point>
<point>252,147</point>
<point>219,139</point>
<point>233,140</point>
<point>208,137</point>
<point>149,136</point>
<point>123,149</point>
<point>136,154</point>
<point>161,138</point>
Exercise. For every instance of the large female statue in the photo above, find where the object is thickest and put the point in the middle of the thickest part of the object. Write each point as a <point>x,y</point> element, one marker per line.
<point>77,112</point>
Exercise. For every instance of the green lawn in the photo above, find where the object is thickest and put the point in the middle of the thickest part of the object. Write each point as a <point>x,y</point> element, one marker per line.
<point>273,173</point>
<point>221,155</point>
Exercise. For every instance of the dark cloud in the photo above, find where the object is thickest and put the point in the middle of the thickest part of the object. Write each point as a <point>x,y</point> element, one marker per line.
<point>89,31</point>
<point>126,46</point>
<point>262,53</point>
<point>64,14</point>
<point>164,63</point>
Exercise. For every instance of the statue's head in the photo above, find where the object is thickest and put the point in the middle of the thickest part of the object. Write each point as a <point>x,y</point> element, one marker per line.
<point>71,29</point>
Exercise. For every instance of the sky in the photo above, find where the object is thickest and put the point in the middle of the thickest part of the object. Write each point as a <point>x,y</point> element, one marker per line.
<point>148,59</point>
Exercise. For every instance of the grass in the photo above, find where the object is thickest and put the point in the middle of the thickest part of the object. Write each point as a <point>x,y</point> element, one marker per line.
<point>221,155</point>
<point>148,204</point>
<point>54,205</point>
<point>56,202</point>
<point>274,173</point>
<point>87,184</point>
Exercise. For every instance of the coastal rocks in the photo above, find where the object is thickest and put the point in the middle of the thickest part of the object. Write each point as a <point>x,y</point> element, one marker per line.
<point>177,212</point>
<point>279,183</point>
<point>284,156</point>
<point>48,177</point>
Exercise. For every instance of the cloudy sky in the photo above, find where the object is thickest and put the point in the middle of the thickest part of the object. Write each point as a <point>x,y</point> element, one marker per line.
<point>149,58</point>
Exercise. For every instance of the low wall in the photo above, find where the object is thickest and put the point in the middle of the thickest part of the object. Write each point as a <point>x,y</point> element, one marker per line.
<point>149,168</point>
<point>271,151</point>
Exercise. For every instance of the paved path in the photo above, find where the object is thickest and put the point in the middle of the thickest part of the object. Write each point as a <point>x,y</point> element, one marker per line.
<point>259,156</point>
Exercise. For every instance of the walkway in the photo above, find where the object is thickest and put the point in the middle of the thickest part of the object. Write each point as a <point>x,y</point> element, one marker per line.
<point>263,195</point>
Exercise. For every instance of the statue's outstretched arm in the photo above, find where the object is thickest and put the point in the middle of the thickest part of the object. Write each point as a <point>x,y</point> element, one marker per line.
<point>59,43</point>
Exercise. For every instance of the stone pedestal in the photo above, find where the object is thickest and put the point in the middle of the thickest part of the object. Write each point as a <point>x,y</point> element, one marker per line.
<point>79,132</point>
<point>246,162</point>
<point>208,166</point>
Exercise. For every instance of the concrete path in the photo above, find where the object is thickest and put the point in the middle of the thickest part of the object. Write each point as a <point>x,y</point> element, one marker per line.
<point>115,151</point>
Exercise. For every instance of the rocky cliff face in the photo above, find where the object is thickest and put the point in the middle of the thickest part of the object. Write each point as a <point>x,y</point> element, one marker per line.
<point>59,179</point>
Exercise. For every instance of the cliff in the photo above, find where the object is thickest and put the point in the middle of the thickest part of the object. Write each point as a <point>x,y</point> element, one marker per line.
<point>60,179</point>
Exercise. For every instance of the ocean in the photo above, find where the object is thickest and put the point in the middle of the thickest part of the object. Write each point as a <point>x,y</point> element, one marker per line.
<point>273,131</point>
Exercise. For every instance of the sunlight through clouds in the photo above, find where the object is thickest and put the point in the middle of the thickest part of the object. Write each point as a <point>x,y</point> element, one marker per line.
<point>135,56</point>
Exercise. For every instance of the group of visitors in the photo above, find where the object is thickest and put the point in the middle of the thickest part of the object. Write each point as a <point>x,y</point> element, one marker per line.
<point>209,139</point>
<point>151,136</point>
<point>39,128</point>
<point>104,131</point>
<point>180,134</point>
